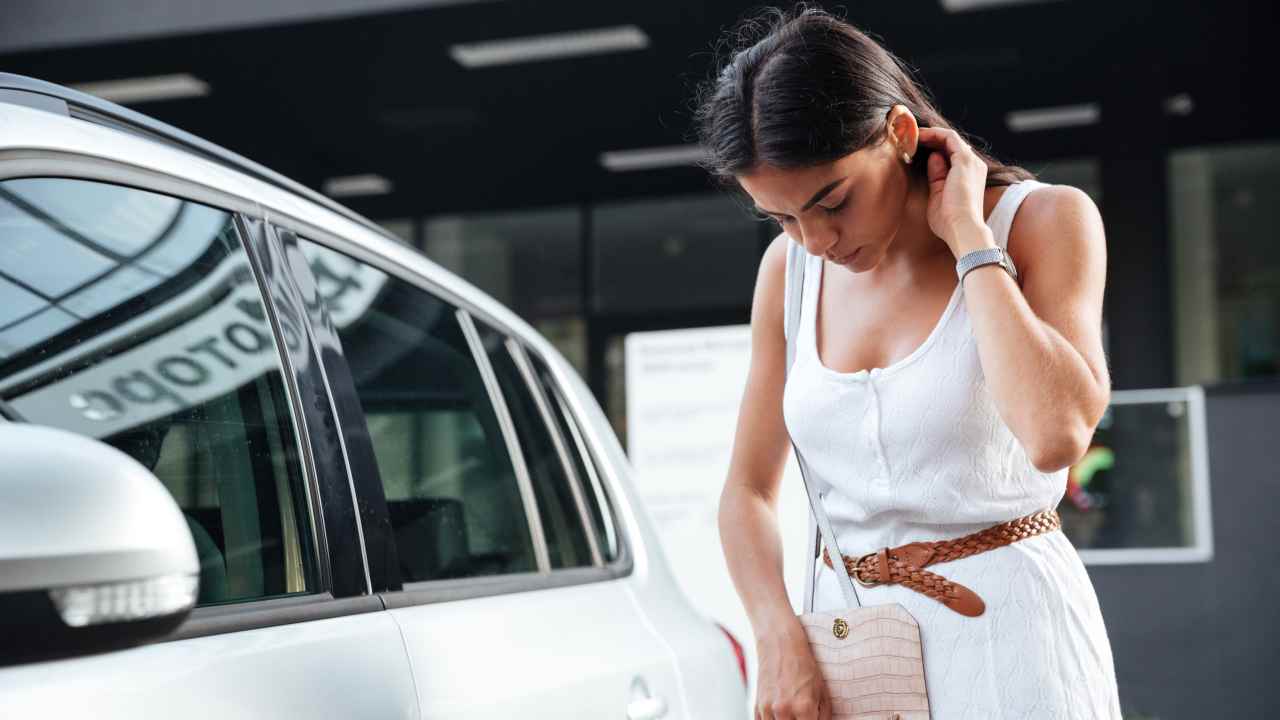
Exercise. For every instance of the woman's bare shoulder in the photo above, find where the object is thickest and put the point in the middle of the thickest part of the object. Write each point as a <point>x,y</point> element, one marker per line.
<point>771,279</point>
<point>1053,222</point>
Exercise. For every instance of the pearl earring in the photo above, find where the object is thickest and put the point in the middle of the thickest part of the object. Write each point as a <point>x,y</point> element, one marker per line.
<point>906,158</point>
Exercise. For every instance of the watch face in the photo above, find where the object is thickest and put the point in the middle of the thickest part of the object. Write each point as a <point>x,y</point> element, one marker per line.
<point>1007,262</point>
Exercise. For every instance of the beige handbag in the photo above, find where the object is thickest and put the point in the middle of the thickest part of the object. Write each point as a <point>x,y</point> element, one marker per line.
<point>870,657</point>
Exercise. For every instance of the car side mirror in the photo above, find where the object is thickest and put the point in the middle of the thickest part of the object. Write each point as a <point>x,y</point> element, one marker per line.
<point>95,555</point>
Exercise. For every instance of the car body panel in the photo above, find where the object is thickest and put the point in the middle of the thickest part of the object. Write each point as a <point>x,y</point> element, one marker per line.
<point>705,660</point>
<point>572,651</point>
<point>352,666</point>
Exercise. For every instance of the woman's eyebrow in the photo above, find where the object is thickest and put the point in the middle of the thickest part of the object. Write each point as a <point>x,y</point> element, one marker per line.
<point>813,200</point>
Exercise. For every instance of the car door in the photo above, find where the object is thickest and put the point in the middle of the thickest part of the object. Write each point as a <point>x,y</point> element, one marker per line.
<point>138,318</point>
<point>708,658</point>
<point>508,600</point>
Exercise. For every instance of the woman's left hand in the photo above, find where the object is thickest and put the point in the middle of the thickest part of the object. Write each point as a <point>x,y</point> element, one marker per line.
<point>957,183</point>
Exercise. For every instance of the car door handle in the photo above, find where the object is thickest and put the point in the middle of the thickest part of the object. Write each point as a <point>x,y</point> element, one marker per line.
<point>649,708</point>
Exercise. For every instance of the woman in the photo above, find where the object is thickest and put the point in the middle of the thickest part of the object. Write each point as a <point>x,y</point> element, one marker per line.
<point>928,408</point>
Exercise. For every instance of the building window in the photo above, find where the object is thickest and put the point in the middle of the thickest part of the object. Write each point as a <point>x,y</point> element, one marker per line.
<point>1140,494</point>
<point>1224,205</point>
<point>674,254</point>
<point>529,260</point>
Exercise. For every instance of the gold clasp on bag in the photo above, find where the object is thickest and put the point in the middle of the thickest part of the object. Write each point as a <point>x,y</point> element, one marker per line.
<point>840,628</point>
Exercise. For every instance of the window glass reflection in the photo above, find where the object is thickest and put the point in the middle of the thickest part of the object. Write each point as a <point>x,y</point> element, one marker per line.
<point>453,497</point>
<point>28,235</point>
<point>178,369</point>
<point>561,521</point>
<point>118,220</point>
<point>16,302</point>
<point>33,329</point>
<point>103,294</point>
<point>182,242</point>
<point>597,500</point>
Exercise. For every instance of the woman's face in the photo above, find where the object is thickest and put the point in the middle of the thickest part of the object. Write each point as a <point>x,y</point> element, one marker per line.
<point>848,210</point>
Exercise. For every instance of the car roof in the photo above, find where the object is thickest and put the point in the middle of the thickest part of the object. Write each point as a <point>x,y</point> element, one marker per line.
<point>46,139</point>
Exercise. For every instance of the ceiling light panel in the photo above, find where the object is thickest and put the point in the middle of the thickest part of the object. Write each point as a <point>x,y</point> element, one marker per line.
<point>533,48</point>
<point>356,186</point>
<point>650,158</point>
<point>958,6</point>
<point>135,91</point>
<point>1053,117</point>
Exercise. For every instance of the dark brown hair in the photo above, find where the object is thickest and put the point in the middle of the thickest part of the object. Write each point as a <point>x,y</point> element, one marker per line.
<point>805,87</point>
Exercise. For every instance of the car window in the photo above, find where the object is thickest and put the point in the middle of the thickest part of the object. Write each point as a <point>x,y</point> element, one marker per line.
<point>561,521</point>
<point>454,500</point>
<point>597,500</point>
<point>134,318</point>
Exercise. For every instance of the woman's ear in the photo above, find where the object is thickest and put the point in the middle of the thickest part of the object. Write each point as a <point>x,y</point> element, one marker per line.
<point>901,130</point>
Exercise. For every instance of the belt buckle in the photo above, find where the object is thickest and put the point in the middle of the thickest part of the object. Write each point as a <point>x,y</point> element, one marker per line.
<point>857,572</point>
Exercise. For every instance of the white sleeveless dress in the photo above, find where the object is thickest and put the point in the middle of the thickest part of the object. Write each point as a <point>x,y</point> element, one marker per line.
<point>918,451</point>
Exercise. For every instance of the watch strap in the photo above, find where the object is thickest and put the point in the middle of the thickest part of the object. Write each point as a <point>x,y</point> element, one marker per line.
<point>985,256</point>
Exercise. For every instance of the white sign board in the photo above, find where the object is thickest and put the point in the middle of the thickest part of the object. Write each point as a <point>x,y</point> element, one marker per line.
<point>684,388</point>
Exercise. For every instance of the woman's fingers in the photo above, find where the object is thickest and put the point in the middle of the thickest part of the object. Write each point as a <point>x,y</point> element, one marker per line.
<point>937,168</point>
<point>943,139</point>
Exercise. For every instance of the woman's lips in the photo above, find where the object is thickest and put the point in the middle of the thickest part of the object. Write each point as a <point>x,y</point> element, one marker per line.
<point>848,258</point>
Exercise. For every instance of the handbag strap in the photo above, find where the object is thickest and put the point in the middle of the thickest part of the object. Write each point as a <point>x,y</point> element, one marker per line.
<point>793,302</point>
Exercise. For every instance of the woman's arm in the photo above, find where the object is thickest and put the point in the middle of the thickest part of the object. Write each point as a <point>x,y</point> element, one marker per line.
<point>789,683</point>
<point>748,503</point>
<point>1041,346</point>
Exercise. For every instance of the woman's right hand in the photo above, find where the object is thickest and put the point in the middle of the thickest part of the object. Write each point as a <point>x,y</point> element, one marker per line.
<point>789,685</point>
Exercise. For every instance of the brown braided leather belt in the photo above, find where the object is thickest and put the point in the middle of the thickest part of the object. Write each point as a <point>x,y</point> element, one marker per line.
<point>904,565</point>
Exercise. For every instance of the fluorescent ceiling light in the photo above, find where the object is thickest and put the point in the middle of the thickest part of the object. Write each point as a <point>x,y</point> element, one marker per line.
<point>1053,117</point>
<point>357,185</point>
<point>146,89</point>
<point>958,6</point>
<point>649,158</point>
<point>548,47</point>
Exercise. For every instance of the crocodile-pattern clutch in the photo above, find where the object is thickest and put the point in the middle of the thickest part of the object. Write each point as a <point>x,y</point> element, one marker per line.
<point>872,662</point>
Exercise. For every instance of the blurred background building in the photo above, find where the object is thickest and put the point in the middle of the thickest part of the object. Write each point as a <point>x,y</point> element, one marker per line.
<point>541,150</point>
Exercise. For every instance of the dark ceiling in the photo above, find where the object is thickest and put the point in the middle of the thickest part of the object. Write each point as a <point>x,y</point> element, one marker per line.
<point>379,94</point>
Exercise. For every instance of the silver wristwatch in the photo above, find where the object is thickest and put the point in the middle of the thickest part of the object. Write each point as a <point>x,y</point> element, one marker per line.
<point>985,256</point>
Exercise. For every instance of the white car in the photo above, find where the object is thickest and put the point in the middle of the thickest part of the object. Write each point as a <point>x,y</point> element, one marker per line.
<point>387,496</point>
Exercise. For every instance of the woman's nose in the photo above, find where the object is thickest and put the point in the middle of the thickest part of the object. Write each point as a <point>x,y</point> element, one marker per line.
<point>818,240</point>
